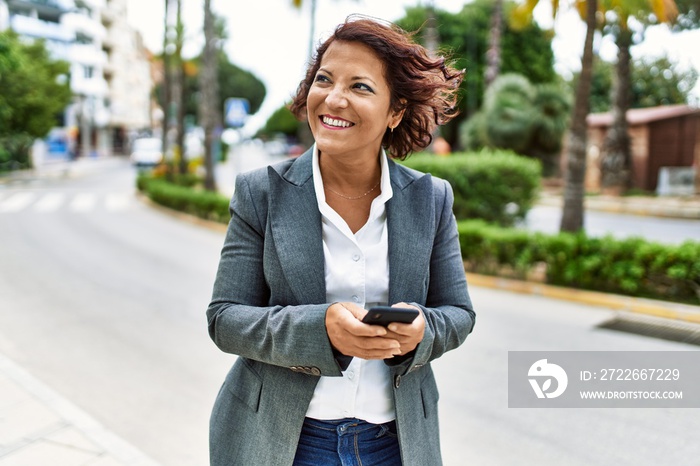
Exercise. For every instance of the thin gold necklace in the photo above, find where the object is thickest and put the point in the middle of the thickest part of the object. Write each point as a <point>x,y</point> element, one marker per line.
<point>354,198</point>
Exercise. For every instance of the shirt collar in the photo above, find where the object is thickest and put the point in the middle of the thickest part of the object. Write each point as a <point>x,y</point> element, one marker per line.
<point>384,182</point>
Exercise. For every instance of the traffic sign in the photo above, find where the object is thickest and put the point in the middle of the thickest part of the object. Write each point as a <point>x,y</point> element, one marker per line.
<point>236,111</point>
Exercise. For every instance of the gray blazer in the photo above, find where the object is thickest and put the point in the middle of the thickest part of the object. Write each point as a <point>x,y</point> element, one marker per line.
<point>269,304</point>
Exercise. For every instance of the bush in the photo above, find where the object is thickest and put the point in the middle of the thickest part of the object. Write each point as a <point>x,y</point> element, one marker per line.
<point>493,185</point>
<point>203,204</point>
<point>633,266</point>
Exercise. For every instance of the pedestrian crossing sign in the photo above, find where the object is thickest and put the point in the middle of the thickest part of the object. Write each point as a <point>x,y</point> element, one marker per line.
<point>236,112</point>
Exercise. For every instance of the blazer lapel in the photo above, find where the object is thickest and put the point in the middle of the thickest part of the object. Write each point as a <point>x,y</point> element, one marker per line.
<point>295,222</point>
<point>410,219</point>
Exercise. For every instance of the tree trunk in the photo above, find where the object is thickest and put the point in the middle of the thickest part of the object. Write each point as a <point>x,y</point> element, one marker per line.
<point>209,102</point>
<point>616,163</point>
<point>179,89</point>
<point>572,215</point>
<point>493,54</point>
<point>312,31</point>
<point>165,124</point>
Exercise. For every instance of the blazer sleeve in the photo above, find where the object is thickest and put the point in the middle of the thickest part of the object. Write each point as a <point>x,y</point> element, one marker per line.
<point>448,310</point>
<point>241,319</point>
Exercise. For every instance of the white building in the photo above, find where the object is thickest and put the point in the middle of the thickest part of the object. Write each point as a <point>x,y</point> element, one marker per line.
<point>128,75</point>
<point>109,69</point>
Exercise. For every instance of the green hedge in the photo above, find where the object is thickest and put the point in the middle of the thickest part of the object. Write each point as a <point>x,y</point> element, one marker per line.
<point>632,266</point>
<point>185,198</point>
<point>497,186</point>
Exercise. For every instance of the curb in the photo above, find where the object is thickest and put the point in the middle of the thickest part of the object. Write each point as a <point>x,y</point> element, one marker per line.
<point>112,447</point>
<point>680,208</point>
<point>216,226</point>
<point>649,307</point>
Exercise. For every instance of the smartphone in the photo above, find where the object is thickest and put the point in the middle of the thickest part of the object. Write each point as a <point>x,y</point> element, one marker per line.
<point>384,315</point>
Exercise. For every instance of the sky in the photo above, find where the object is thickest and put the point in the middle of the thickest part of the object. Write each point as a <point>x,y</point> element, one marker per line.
<point>270,38</point>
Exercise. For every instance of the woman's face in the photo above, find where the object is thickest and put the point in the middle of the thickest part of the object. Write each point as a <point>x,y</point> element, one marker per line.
<point>348,102</point>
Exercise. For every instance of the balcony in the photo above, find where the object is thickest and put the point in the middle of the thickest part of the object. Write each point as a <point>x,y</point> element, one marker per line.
<point>87,54</point>
<point>84,24</point>
<point>49,10</point>
<point>36,28</point>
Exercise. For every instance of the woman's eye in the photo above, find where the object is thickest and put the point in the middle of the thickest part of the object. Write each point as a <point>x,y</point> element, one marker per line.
<point>363,87</point>
<point>320,78</point>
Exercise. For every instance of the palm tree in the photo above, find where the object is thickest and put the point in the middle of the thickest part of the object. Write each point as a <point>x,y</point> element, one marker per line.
<point>493,54</point>
<point>572,213</point>
<point>616,163</point>
<point>209,101</point>
<point>297,4</point>
<point>179,89</point>
<point>166,80</point>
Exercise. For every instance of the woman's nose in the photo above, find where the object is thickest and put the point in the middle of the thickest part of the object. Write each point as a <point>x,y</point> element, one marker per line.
<point>336,98</point>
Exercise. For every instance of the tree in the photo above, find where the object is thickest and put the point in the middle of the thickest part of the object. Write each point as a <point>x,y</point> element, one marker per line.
<point>166,89</point>
<point>525,118</point>
<point>572,213</point>
<point>493,54</point>
<point>616,159</point>
<point>655,81</point>
<point>281,121</point>
<point>464,36</point>
<point>660,82</point>
<point>233,82</point>
<point>209,87</point>
<point>35,91</point>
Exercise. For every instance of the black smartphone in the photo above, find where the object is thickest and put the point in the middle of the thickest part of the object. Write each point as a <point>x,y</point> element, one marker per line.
<point>384,315</point>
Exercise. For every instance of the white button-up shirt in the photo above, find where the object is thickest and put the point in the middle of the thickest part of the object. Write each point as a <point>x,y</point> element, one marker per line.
<point>357,270</point>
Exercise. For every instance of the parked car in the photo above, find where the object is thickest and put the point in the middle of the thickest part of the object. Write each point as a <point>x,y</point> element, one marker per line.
<point>147,152</point>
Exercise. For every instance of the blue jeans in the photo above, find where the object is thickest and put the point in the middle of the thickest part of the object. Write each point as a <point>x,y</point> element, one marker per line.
<point>347,442</point>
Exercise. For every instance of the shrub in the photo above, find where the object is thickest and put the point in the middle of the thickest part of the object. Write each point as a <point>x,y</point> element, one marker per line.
<point>203,204</point>
<point>632,266</point>
<point>493,185</point>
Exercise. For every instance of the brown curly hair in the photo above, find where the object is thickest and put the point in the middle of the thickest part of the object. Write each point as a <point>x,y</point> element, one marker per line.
<point>424,87</point>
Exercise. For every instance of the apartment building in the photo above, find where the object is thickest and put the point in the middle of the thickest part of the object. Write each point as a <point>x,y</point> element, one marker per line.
<point>109,69</point>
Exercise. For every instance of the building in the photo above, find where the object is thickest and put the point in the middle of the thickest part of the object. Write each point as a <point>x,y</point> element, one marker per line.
<point>109,68</point>
<point>128,76</point>
<point>664,139</point>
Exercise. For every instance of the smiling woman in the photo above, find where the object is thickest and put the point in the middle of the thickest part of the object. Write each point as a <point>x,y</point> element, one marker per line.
<point>316,241</point>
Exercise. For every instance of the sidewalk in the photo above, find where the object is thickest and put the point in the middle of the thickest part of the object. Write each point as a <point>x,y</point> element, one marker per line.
<point>38,427</point>
<point>687,207</point>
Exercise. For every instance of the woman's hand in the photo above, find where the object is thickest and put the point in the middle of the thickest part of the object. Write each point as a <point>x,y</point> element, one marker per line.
<point>353,338</point>
<point>408,335</point>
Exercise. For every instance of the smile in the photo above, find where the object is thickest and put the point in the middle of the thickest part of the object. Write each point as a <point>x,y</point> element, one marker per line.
<point>335,123</point>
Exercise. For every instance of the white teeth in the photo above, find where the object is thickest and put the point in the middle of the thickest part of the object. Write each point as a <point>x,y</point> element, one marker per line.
<point>334,122</point>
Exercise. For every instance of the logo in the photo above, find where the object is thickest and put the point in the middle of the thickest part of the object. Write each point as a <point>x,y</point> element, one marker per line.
<point>546,372</point>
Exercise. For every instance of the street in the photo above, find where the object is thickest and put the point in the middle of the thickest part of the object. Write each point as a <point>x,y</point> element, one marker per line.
<point>546,219</point>
<point>103,299</point>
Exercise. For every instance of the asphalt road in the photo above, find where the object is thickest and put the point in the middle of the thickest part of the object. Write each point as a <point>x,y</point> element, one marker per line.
<point>546,219</point>
<point>103,299</point>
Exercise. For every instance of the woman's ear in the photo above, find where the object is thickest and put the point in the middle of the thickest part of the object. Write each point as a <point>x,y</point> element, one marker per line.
<point>397,115</point>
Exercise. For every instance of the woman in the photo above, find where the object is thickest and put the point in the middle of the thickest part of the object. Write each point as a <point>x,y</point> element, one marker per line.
<point>314,242</point>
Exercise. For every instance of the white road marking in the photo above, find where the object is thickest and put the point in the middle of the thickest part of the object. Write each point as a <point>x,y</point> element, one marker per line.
<point>16,202</point>
<point>83,202</point>
<point>49,202</point>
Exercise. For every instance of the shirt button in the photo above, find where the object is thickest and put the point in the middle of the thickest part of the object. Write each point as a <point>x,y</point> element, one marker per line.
<point>356,257</point>
<point>356,298</point>
<point>351,375</point>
